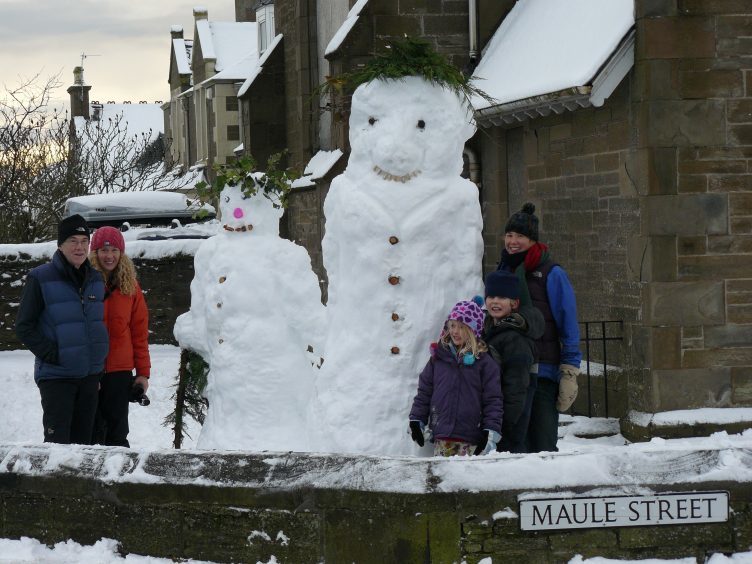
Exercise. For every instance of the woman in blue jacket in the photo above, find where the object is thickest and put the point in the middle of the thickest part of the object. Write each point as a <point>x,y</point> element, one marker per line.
<point>459,399</point>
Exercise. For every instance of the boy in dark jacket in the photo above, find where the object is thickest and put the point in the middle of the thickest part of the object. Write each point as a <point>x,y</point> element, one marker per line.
<point>510,332</point>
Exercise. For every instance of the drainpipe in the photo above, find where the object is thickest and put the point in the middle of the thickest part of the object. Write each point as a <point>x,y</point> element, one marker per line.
<point>472,9</point>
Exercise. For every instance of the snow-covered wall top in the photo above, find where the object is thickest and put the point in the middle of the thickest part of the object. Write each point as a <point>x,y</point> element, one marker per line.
<point>631,469</point>
<point>545,46</point>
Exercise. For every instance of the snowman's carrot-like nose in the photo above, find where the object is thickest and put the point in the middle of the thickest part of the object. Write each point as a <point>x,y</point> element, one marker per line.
<point>238,213</point>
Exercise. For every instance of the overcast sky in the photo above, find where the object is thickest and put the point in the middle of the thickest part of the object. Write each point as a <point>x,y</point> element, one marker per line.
<point>131,39</point>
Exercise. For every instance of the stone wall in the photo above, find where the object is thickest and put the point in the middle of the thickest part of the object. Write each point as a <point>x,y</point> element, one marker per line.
<point>573,167</point>
<point>166,284</point>
<point>692,104</point>
<point>300,508</point>
<point>304,221</point>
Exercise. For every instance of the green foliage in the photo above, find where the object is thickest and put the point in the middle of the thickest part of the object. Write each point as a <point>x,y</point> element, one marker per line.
<point>408,57</point>
<point>188,397</point>
<point>274,183</point>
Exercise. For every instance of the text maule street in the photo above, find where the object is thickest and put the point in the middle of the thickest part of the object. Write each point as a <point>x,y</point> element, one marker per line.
<point>623,511</point>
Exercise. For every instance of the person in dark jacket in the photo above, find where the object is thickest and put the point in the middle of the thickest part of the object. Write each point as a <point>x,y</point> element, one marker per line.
<point>61,320</point>
<point>510,331</point>
<point>545,284</point>
<point>459,391</point>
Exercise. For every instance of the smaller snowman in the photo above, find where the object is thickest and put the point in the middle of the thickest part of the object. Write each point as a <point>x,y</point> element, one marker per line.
<point>255,315</point>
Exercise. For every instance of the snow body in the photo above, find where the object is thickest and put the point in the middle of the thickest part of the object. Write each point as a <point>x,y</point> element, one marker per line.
<point>402,245</point>
<point>255,310</point>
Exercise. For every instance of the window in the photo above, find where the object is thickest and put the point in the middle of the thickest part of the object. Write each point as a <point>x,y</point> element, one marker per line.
<point>233,133</point>
<point>265,21</point>
<point>231,104</point>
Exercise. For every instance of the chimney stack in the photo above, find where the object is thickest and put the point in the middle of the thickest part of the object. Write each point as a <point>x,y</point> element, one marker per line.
<point>176,32</point>
<point>79,94</point>
<point>200,13</point>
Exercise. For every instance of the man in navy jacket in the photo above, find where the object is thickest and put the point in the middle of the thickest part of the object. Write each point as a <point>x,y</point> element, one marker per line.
<point>61,320</point>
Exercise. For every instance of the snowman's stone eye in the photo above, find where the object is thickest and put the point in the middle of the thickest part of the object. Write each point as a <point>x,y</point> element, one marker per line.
<point>421,124</point>
<point>371,120</point>
<point>227,199</point>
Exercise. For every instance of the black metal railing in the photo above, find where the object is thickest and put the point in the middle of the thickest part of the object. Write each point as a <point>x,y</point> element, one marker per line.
<point>595,336</point>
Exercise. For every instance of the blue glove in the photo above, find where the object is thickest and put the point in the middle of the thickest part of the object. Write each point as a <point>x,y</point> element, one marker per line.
<point>488,443</point>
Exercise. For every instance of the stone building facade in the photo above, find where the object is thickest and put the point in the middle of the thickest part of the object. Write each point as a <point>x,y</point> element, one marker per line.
<point>644,200</point>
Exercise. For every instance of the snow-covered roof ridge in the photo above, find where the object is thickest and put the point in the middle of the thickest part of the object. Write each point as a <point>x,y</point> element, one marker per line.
<point>226,43</point>
<point>138,119</point>
<point>346,27</point>
<point>549,52</point>
<point>636,467</point>
<point>320,164</point>
<point>182,48</point>
<point>259,67</point>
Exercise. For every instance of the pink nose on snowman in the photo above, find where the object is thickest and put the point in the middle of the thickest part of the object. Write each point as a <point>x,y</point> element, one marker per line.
<point>238,213</point>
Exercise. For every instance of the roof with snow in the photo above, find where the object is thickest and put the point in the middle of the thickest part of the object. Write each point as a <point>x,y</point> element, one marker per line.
<point>183,50</point>
<point>321,163</point>
<point>143,119</point>
<point>226,43</point>
<point>553,55</point>
<point>344,30</point>
<point>259,66</point>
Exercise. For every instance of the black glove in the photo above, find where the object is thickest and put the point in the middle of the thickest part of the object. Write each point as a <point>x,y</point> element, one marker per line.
<point>417,433</point>
<point>482,443</point>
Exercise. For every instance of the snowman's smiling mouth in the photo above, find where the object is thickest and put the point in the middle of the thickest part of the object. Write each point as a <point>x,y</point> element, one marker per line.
<point>247,227</point>
<point>394,177</point>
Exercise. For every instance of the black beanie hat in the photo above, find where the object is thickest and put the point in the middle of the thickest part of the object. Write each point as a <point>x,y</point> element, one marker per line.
<point>524,222</point>
<point>503,284</point>
<point>73,225</point>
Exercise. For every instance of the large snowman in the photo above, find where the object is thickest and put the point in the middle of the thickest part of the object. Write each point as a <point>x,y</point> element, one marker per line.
<point>403,244</point>
<point>255,315</point>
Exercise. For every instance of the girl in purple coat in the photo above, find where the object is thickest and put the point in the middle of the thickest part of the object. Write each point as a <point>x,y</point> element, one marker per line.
<point>459,399</point>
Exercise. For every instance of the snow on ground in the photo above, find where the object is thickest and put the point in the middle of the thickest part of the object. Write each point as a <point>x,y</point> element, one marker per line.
<point>20,423</point>
<point>22,411</point>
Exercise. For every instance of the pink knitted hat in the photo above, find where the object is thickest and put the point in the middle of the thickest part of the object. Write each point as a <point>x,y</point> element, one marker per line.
<point>107,236</point>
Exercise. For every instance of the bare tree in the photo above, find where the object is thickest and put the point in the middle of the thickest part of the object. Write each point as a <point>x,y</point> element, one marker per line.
<point>108,158</point>
<point>46,158</point>
<point>31,152</point>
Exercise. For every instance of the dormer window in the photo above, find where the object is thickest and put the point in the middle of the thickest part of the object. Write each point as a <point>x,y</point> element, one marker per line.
<point>265,21</point>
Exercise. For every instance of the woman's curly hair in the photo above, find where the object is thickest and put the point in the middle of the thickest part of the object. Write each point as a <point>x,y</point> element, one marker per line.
<point>123,277</point>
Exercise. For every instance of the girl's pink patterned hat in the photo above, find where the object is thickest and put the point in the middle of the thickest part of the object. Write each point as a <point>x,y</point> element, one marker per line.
<point>469,313</point>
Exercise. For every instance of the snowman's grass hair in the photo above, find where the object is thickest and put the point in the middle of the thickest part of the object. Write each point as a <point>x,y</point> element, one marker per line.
<point>402,58</point>
<point>274,183</point>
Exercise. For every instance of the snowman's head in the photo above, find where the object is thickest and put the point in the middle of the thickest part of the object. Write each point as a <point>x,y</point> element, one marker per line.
<point>248,214</point>
<point>404,128</point>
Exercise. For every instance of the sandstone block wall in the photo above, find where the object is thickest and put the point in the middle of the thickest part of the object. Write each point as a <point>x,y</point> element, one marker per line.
<point>243,507</point>
<point>692,152</point>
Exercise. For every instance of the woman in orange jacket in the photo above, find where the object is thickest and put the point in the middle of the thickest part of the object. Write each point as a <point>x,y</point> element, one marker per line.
<point>127,321</point>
